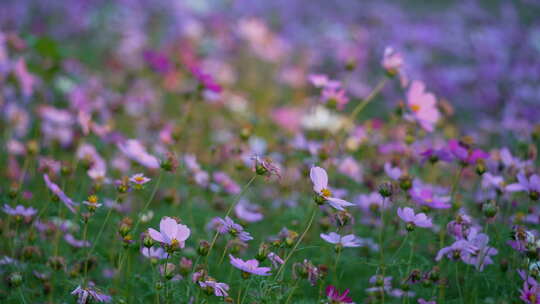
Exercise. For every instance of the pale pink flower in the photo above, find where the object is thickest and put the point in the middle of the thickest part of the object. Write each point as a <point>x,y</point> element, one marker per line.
<point>249,266</point>
<point>349,240</point>
<point>135,151</point>
<point>408,216</point>
<point>423,105</point>
<point>320,186</point>
<point>171,233</point>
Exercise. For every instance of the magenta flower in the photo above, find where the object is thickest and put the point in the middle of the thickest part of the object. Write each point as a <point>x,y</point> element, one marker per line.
<point>320,186</point>
<point>427,196</point>
<point>349,240</point>
<point>59,193</point>
<point>171,233</point>
<point>465,155</point>
<point>249,266</point>
<point>335,297</point>
<point>423,105</point>
<point>422,301</point>
<point>219,289</point>
<point>408,216</point>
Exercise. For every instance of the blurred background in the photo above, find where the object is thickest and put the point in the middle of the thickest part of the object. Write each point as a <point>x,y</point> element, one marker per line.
<point>480,56</point>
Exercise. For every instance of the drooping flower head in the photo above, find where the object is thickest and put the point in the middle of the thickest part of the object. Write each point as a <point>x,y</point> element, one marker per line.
<point>320,186</point>
<point>249,266</point>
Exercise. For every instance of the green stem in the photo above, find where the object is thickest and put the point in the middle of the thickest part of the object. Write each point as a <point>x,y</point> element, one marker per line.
<point>313,213</point>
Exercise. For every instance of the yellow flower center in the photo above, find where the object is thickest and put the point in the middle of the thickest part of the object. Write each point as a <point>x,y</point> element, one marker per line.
<point>326,192</point>
<point>174,243</point>
<point>92,199</point>
<point>139,179</point>
<point>415,108</point>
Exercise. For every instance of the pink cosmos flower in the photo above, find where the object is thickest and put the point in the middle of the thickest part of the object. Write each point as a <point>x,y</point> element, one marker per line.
<point>335,97</point>
<point>392,61</point>
<point>26,80</point>
<point>249,266</point>
<point>320,186</point>
<point>422,301</point>
<point>59,193</point>
<point>335,297</point>
<point>408,216</point>
<point>464,154</point>
<point>428,196</point>
<point>248,212</point>
<point>349,240</point>
<point>139,179</point>
<point>351,168</point>
<point>135,151</point>
<point>322,81</point>
<point>423,105</point>
<point>171,233</point>
<point>228,184</point>
<point>220,289</point>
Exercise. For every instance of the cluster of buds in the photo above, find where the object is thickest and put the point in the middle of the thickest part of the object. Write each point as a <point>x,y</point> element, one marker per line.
<point>124,229</point>
<point>306,270</point>
<point>170,163</point>
<point>265,167</point>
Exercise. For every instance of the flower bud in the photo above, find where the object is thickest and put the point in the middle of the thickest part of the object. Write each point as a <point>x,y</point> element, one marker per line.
<point>405,182</point>
<point>490,209</point>
<point>15,279</point>
<point>203,248</point>
<point>148,241</point>
<point>319,200</point>
<point>386,189</point>
<point>263,251</point>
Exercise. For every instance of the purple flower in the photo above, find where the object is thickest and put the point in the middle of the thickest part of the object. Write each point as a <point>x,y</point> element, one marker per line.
<point>219,289</point>
<point>531,184</point>
<point>408,216</point>
<point>424,195</point>
<point>227,225</point>
<point>458,250</point>
<point>335,297</point>
<point>392,172</point>
<point>20,210</point>
<point>154,253</point>
<point>171,233</point>
<point>482,256</point>
<point>85,295</point>
<point>275,259</point>
<point>422,301</point>
<point>70,239</point>
<point>249,266</point>
<point>349,240</point>
<point>59,193</point>
<point>320,186</point>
